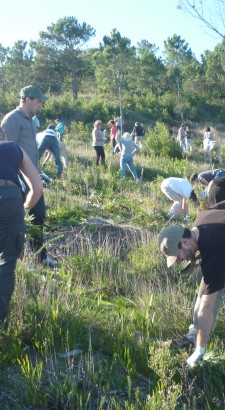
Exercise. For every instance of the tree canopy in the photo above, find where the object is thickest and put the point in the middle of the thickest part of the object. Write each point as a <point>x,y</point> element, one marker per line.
<point>172,86</point>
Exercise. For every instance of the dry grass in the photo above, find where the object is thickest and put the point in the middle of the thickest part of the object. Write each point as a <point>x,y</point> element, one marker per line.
<point>112,303</point>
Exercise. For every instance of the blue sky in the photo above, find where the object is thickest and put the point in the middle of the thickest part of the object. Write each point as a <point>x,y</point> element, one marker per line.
<point>150,20</point>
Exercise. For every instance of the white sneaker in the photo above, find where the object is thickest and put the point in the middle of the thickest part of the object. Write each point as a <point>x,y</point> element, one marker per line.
<point>51,263</point>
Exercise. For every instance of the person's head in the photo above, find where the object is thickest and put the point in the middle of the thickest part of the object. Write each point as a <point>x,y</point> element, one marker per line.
<point>175,242</point>
<point>98,124</point>
<point>182,125</point>
<point>208,129</point>
<point>57,120</point>
<point>31,99</point>
<point>127,136</point>
<point>136,124</point>
<point>193,196</point>
<point>51,127</point>
<point>194,177</point>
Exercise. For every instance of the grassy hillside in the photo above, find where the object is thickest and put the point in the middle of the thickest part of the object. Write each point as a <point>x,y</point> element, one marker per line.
<point>95,333</point>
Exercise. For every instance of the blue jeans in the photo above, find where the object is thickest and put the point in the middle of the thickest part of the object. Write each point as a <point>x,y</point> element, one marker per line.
<point>12,230</point>
<point>51,143</point>
<point>127,161</point>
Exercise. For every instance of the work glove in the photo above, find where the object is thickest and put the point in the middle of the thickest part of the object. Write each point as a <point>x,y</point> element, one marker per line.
<point>191,265</point>
<point>196,356</point>
<point>45,177</point>
<point>187,219</point>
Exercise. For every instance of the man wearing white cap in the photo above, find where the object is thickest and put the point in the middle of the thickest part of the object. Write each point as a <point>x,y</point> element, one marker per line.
<point>182,244</point>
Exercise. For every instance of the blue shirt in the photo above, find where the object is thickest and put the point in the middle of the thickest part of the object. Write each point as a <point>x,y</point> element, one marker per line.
<point>129,148</point>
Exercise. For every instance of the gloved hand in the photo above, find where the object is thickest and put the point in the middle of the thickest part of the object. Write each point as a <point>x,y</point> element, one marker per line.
<point>187,219</point>
<point>191,265</point>
<point>45,177</point>
<point>196,356</point>
<point>187,268</point>
<point>202,194</point>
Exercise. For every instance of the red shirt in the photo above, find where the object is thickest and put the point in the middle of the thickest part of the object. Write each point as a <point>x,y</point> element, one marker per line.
<point>113,131</point>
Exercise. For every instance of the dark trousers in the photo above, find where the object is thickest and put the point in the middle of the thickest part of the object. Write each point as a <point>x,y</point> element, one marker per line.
<point>51,143</point>
<point>100,153</point>
<point>38,213</point>
<point>112,142</point>
<point>12,230</point>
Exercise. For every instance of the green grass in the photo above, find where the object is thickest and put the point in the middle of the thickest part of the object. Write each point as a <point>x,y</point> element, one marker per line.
<point>112,300</point>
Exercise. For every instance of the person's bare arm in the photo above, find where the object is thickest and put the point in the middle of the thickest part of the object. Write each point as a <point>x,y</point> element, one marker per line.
<point>205,318</point>
<point>97,137</point>
<point>47,157</point>
<point>205,325</point>
<point>184,207</point>
<point>33,180</point>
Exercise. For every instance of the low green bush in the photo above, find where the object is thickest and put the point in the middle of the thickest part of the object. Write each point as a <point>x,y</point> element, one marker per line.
<point>161,143</point>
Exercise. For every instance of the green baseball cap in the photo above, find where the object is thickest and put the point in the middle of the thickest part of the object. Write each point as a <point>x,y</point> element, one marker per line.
<point>31,91</point>
<point>168,241</point>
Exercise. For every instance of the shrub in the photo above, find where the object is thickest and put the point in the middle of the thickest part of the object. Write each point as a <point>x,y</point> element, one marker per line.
<point>160,142</point>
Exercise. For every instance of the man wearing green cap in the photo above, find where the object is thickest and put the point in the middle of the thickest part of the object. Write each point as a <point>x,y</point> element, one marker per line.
<point>207,237</point>
<point>18,126</point>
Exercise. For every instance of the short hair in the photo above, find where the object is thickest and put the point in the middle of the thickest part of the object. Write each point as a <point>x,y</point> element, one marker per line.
<point>193,176</point>
<point>193,196</point>
<point>186,234</point>
<point>208,129</point>
<point>51,127</point>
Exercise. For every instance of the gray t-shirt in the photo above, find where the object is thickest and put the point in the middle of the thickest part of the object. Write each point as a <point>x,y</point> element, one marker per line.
<point>98,143</point>
<point>20,128</point>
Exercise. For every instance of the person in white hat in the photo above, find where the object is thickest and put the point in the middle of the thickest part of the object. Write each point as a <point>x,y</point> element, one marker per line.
<point>129,149</point>
<point>206,241</point>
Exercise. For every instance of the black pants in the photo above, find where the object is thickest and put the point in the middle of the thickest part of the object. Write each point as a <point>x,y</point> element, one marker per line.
<point>100,153</point>
<point>38,213</point>
<point>12,230</point>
